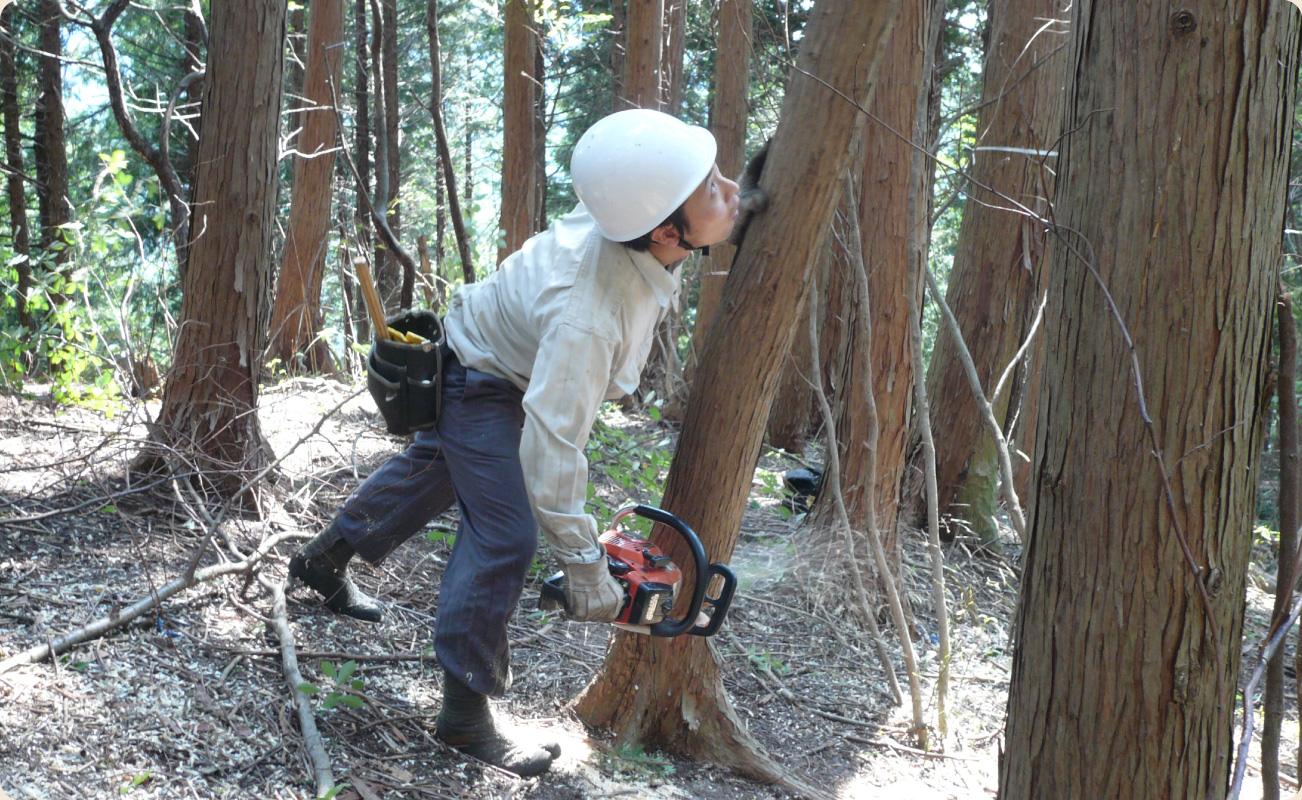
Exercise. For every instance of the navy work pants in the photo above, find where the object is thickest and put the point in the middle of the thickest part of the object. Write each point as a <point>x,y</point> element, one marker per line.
<point>473,458</point>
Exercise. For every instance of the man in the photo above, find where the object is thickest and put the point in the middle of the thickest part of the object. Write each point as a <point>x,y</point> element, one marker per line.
<point>566,322</point>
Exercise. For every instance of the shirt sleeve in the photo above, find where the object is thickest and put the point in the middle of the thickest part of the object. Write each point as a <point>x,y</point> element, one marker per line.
<point>569,380</point>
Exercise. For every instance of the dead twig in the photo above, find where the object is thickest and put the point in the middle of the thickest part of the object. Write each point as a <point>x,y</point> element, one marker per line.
<point>316,751</point>
<point>103,625</point>
<point>832,478</point>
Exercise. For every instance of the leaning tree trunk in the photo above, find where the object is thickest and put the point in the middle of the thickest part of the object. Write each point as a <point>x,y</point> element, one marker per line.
<point>15,191</point>
<point>883,163</point>
<point>519,162</point>
<point>209,415</point>
<point>670,692</point>
<point>296,317</point>
<point>1172,187</point>
<point>728,123</point>
<point>992,287</point>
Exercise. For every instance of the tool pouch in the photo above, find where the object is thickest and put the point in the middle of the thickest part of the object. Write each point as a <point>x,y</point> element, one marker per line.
<point>406,380</point>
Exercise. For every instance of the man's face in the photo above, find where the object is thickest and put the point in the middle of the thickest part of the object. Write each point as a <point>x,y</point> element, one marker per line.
<point>711,210</point>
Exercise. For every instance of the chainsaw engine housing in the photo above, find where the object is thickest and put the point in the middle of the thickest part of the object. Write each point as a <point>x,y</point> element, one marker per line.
<point>650,578</point>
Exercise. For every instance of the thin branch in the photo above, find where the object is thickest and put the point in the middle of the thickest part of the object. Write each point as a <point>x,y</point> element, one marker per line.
<point>832,481</point>
<point>103,625</point>
<point>316,751</point>
<point>381,224</point>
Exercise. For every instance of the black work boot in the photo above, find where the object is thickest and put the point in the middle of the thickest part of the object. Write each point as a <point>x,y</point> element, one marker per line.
<point>322,564</point>
<point>466,723</point>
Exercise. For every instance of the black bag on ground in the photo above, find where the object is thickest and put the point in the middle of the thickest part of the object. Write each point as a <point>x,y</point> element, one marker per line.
<point>406,379</point>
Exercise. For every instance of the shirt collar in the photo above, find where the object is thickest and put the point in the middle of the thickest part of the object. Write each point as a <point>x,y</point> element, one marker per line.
<point>663,280</point>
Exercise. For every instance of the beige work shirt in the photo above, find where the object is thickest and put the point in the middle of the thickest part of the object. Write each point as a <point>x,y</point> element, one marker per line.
<point>569,319</point>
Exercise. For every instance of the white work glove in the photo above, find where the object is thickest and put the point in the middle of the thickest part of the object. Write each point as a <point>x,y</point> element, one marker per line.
<point>591,595</point>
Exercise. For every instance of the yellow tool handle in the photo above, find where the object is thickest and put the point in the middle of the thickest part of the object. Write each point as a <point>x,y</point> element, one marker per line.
<point>372,298</point>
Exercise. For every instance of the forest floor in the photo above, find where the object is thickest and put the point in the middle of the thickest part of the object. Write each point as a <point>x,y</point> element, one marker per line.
<point>193,702</point>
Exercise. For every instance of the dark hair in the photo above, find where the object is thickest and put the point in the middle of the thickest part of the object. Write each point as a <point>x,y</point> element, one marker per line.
<point>678,219</point>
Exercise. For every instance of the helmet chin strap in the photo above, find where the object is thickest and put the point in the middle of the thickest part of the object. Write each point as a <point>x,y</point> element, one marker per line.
<point>686,245</point>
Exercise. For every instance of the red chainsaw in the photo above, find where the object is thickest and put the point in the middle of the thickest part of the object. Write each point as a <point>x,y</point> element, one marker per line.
<point>650,579</point>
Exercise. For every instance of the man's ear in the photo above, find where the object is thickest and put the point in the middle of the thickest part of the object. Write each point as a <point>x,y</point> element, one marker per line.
<point>666,235</point>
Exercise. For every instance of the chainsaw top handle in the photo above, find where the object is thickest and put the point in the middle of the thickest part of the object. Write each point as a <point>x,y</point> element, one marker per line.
<point>669,627</point>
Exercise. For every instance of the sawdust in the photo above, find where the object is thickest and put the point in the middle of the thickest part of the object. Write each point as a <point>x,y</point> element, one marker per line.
<point>192,702</point>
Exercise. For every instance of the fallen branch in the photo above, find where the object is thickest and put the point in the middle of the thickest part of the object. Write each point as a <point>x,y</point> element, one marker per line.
<point>103,625</point>
<point>316,752</point>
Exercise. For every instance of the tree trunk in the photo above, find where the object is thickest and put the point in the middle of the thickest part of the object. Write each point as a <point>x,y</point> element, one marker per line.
<point>519,154</point>
<point>193,98</point>
<point>728,115</point>
<point>16,192</point>
<point>793,403</point>
<point>884,162</point>
<point>1286,503</point>
<point>675,43</point>
<point>387,283</point>
<point>644,50</point>
<point>295,36</point>
<point>296,317</point>
<point>1126,661</point>
<point>362,148</point>
<point>540,127</point>
<point>992,287</point>
<point>52,149</point>
<point>209,412</point>
<point>399,279</point>
<point>670,692</point>
<point>618,31</point>
<point>449,179</point>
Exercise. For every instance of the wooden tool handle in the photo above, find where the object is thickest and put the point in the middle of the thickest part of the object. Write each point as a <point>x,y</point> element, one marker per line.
<point>372,298</point>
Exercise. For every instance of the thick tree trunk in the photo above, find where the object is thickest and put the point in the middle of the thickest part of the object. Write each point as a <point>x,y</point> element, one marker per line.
<point>296,317</point>
<point>793,403</point>
<point>52,149</point>
<point>728,123</point>
<point>519,153</point>
<point>1173,185</point>
<point>15,191</point>
<point>670,692</point>
<point>644,54</point>
<point>992,287</point>
<point>209,412</point>
<point>884,161</point>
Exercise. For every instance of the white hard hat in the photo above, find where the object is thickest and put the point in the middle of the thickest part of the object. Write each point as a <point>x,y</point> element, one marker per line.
<point>633,168</point>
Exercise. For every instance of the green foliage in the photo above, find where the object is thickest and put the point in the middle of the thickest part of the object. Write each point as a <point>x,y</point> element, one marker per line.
<point>636,465</point>
<point>345,686</point>
<point>137,781</point>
